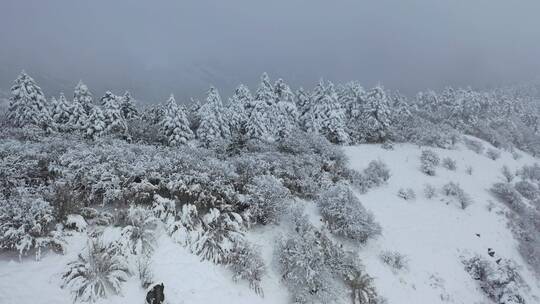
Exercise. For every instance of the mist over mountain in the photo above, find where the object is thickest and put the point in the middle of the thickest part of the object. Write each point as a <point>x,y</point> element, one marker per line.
<point>183,47</point>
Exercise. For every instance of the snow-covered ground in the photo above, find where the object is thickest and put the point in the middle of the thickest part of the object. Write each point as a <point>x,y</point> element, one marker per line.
<point>432,233</point>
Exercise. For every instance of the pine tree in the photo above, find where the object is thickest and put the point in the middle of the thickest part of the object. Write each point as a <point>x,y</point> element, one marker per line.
<point>61,112</point>
<point>175,125</point>
<point>114,121</point>
<point>376,115</point>
<point>352,97</point>
<point>83,96</point>
<point>127,107</point>
<point>95,125</point>
<point>286,114</point>
<point>265,92</point>
<point>237,111</point>
<point>213,125</point>
<point>78,117</point>
<point>28,105</point>
<point>257,123</point>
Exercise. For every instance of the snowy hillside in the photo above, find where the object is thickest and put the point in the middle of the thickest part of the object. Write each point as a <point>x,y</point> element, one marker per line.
<point>434,235</point>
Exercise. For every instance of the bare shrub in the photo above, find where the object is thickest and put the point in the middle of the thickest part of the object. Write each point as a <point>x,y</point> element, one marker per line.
<point>449,163</point>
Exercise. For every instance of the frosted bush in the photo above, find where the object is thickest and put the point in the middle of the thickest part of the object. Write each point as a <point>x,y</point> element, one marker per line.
<point>267,199</point>
<point>429,191</point>
<point>429,161</point>
<point>494,154</point>
<point>246,263</point>
<point>376,173</point>
<point>97,273</point>
<point>527,189</point>
<point>507,174</point>
<point>531,172</point>
<point>406,194</point>
<point>500,282</point>
<point>474,145</point>
<point>469,170</point>
<point>394,259</point>
<point>449,163</point>
<point>27,223</point>
<point>345,215</point>
<point>506,193</point>
<point>138,237</point>
<point>454,190</point>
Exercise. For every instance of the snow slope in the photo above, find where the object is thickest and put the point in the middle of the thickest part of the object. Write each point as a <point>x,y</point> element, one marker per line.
<point>432,233</point>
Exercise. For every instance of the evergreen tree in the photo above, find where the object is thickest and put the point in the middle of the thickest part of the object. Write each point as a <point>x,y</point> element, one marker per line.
<point>127,107</point>
<point>213,125</point>
<point>61,112</point>
<point>175,125</point>
<point>237,111</point>
<point>111,110</point>
<point>265,92</point>
<point>28,105</point>
<point>376,115</point>
<point>257,123</point>
<point>286,114</point>
<point>95,125</point>
<point>352,97</point>
<point>302,100</point>
<point>78,117</point>
<point>83,96</point>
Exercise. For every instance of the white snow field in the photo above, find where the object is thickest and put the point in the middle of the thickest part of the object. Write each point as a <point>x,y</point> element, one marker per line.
<point>432,233</point>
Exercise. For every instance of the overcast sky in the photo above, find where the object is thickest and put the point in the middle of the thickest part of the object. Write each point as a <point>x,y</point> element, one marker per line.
<point>157,47</point>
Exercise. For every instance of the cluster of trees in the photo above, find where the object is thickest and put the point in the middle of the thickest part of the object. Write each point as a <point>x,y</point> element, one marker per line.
<point>344,114</point>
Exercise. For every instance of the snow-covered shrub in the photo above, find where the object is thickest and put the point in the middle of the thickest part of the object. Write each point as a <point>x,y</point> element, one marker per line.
<point>454,190</point>
<point>144,271</point>
<point>221,230</point>
<point>394,259</point>
<point>138,237</point>
<point>164,208</point>
<point>527,189</point>
<point>387,145</point>
<point>474,145</point>
<point>429,161</point>
<point>406,194</point>
<point>469,170</point>
<point>97,273</point>
<point>313,267</point>
<point>494,154</point>
<point>531,172</point>
<point>89,213</point>
<point>500,282</point>
<point>246,263</point>
<point>376,173</point>
<point>65,201</point>
<point>267,199</point>
<point>75,222</point>
<point>449,163</point>
<point>507,174</point>
<point>506,193</point>
<point>27,223</point>
<point>345,215</point>
<point>430,191</point>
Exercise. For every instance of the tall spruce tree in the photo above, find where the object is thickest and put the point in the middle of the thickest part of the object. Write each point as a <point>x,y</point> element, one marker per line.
<point>95,125</point>
<point>61,112</point>
<point>127,107</point>
<point>237,110</point>
<point>114,121</point>
<point>28,105</point>
<point>376,116</point>
<point>83,96</point>
<point>213,125</point>
<point>175,125</point>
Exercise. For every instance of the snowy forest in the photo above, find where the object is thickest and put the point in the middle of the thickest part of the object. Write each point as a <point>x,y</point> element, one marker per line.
<point>105,188</point>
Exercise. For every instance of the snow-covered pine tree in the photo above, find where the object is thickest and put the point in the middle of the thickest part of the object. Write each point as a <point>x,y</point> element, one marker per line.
<point>266,92</point>
<point>352,97</point>
<point>237,110</point>
<point>28,105</point>
<point>286,112</point>
<point>95,124</point>
<point>257,126</point>
<point>127,107</point>
<point>61,112</point>
<point>78,117</point>
<point>175,125</point>
<point>302,100</point>
<point>114,121</point>
<point>325,115</point>
<point>376,116</point>
<point>83,96</point>
<point>213,125</point>
<point>192,113</point>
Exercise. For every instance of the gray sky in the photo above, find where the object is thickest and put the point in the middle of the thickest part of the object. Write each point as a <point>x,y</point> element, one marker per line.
<point>157,47</point>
